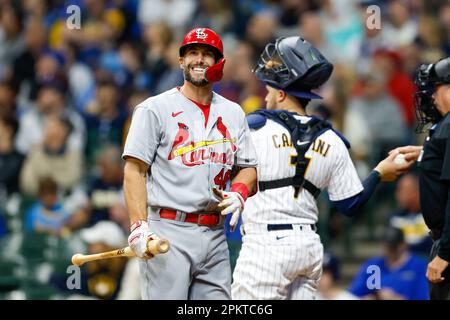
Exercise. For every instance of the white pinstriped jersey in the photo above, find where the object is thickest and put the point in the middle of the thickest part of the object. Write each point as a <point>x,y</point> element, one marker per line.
<point>330,168</point>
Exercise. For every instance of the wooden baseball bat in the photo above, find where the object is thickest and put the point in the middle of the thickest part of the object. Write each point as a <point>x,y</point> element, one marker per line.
<point>154,247</point>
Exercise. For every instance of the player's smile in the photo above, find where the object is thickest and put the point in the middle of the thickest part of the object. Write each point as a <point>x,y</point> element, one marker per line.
<point>198,70</point>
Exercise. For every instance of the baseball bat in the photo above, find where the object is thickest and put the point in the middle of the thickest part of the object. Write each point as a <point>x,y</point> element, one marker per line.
<point>154,247</point>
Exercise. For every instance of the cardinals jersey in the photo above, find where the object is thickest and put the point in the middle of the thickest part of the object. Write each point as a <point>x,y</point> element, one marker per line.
<point>187,160</point>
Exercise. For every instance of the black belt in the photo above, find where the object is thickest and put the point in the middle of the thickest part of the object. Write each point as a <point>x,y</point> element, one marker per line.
<point>288,226</point>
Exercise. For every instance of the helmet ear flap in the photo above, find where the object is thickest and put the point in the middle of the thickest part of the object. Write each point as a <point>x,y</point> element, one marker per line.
<point>215,72</point>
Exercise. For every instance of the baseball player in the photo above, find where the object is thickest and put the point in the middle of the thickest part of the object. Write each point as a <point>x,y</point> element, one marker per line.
<point>180,152</point>
<point>299,155</point>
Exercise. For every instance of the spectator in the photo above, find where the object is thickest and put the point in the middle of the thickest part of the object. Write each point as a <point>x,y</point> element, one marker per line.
<point>53,159</point>
<point>311,28</point>
<point>444,18</point>
<point>104,191</point>
<point>102,25</point>
<point>328,288</point>
<point>214,14</point>
<point>3,229</point>
<point>10,159</point>
<point>401,274</point>
<point>401,28</point>
<point>47,215</point>
<point>343,29</point>
<point>12,42</point>
<point>381,111</point>
<point>8,93</point>
<point>399,84</point>
<point>101,279</point>
<point>430,39</point>
<point>80,77</point>
<point>408,217</point>
<point>173,75</point>
<point>49,67</point>
<point>177,13</point>
<point>157,37</point>
<point>373,39</point>
<point>106,120</point>
<point>51,100</point>
<point>36,41</point>
<point>260,30</point>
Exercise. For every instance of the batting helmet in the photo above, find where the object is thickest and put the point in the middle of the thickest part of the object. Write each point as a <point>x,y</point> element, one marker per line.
<point>203,36</point>
<point>295,66</point>
<point>427,78</point>
<point>207,37</point>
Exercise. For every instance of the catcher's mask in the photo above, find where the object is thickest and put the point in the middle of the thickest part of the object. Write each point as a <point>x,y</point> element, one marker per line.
<point>428,77</point>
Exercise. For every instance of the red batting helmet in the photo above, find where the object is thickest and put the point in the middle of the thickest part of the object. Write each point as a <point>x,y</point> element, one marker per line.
<point>203,36</point>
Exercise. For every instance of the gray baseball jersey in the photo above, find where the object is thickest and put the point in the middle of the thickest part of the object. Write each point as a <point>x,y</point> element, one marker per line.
<point>187,160</point>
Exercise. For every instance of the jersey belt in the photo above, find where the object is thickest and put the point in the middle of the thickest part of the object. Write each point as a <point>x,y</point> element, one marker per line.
<point>289,226</point>
<point>200,218</point>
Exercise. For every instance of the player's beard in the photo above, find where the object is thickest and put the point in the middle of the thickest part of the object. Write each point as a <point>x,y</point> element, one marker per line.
<point>196,82</point>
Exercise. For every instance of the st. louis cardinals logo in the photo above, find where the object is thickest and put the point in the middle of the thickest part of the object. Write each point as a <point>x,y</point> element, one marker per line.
<point>195,153</point>
<point>200,33</point>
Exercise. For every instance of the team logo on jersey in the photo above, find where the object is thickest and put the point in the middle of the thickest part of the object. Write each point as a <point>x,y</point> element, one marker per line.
<point>195,153</point>
<point>200,33</point>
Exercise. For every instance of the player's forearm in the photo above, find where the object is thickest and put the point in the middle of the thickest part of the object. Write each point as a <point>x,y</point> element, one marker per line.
<point>135,191</point>
<point>351,206</point>
<point>246,176</point>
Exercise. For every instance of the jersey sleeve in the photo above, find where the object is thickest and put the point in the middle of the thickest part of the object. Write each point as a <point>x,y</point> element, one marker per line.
<point>245,154</point>
<point>344,182</point>
<point>144,135</point>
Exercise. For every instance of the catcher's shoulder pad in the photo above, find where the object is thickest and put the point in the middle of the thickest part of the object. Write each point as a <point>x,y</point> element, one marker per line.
<point>256,120</point>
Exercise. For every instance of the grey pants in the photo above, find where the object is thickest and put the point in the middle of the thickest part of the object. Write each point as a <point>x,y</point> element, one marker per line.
<point>440,291</point>
<point>197,266</point>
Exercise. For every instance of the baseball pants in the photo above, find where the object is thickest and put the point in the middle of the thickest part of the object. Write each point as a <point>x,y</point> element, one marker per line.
<point>197,266</point>
<point>275,265</point>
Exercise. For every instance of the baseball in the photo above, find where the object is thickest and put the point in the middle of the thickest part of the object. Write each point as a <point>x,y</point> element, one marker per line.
<point>400,159</point>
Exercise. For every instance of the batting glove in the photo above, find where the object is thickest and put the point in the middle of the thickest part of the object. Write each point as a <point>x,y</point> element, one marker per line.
<point>139,237</point>
<point>230,203</point>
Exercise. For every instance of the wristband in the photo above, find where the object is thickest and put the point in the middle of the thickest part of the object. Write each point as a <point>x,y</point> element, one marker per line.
<point>240,188</point>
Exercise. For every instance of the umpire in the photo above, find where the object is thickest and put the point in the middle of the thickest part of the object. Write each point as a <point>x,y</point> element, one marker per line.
<point>432,102</point>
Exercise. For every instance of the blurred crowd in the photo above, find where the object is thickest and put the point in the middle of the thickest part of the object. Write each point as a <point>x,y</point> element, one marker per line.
<point>67,93</point>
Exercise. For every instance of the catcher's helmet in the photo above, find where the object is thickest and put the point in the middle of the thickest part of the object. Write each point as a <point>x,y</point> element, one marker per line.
<point>295,66</point>
<point>203,36</point>
<point>428,77</point>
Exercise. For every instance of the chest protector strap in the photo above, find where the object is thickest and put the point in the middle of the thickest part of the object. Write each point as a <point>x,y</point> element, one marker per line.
<point>302,136</point>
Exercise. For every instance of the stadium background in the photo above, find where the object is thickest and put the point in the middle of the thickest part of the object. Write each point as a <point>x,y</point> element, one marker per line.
<point>66,97</point>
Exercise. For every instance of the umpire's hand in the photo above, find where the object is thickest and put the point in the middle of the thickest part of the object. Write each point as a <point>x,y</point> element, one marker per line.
<point>410,152</point>
<point>435,269</point>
